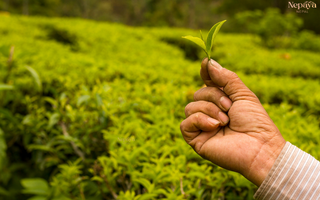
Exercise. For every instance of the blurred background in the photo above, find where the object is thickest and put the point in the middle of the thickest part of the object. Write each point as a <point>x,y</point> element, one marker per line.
<point>92,92</point>
<point>195,14</point>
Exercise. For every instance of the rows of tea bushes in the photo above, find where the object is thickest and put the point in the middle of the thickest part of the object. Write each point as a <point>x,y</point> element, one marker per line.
<point>245,53</point>
<point>91,110</point>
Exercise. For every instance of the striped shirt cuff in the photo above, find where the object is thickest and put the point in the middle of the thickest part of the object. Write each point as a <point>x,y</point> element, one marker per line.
<point>294,175</point>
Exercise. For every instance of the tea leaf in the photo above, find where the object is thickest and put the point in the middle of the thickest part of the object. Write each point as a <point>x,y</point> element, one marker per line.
<point>211,35</point>
<point>83,99</point>
<point>206,46</point>
<point>3,148</point>
<point>147,196</point>
<point>36,77</point>
<point>196,40</point>
<point>53,119</point>
<point>38,198</point>
<point>146,183</point>
<point>201,36</point>
<point>6,87</point>
<point>35,186</point>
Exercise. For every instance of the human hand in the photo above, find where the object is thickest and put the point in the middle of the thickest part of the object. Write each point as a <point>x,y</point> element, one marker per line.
<point>245,140</point>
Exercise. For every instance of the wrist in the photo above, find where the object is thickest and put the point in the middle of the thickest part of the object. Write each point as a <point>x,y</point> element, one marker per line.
<point>264,160</point>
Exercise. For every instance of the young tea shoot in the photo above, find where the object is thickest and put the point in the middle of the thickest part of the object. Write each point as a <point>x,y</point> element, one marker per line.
<point>206,45</point>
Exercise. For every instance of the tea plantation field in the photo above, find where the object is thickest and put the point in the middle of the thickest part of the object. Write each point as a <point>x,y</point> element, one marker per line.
<point>91,110</point>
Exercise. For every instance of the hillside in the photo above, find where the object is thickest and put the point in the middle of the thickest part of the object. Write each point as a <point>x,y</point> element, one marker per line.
<point>97,115</point>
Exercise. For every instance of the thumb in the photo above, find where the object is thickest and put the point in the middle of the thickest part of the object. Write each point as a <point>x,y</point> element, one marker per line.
<point>231,83</point>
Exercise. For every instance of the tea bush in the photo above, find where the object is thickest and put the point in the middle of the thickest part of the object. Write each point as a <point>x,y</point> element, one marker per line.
<point>104,123</point>
<point>276,30</point>
<point>271,26</point>
<point>307,40</point>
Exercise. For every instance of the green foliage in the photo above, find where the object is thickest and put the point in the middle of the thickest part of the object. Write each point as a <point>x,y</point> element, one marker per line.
<point>6,87</point>
<point>208,45</point>
<point>3,148</point>
<point>255,59</point>
<point>62,36</point>
<point>69,183</point>
<point>198,41</point>
<point>35,186</point>
<point>272,27</point>
<point>36,77</point>
<point>278,30</point>
<point>212,35</point>
<point>106,124</point>
<point>307,40</point>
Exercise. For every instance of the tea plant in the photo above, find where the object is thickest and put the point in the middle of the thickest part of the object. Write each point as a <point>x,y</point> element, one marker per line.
<point>208,44</point>
<point>97,123</point>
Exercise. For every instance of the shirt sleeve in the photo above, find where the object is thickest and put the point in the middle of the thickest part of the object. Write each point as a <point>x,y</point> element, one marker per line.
<point>294,175</point>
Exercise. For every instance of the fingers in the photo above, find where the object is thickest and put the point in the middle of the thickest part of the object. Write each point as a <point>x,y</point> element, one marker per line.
<point>232,85</point>
<point>214,95</point>
<point>195,124</point>
<point>207,108</point>
<point>204,73</point>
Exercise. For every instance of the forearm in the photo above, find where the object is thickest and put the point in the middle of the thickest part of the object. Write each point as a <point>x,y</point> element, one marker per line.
<point>294,175</point>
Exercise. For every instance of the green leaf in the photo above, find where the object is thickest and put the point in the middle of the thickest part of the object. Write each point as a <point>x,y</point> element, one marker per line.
<point>9,115</point>
<point>38,198</point>
<point>97,178</point>
<point>52,101</point>
<point>37,186</point>
<point>54,118</point>
<point>3,148</point>
<point>99,100</point>
<point>160,191</point>
<point>145,183</point>
<point>27,120</point>
<point>36,77</point>
<point>147,196</point>
<point>6,87</point>
<point>196,40</point>
<point>61,197</point>
<point>40,147</point>
<point>201,36</point>
<point>82,99</point>
<point>211,36</point>
<point>206,46</point>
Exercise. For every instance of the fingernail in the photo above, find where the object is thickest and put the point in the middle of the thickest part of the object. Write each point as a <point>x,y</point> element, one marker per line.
<point>225,102</point>
<point>214,64</point>
<point>203,59</point>
<point>213,121</point>
<point>224,118</point>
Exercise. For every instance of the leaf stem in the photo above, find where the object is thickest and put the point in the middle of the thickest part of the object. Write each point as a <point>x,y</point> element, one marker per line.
<point>207,55</point>
<point>115,196</point>
<point>74,146</point>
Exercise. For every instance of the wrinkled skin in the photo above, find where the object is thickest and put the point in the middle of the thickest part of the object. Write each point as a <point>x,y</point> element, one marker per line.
<point>227,125</point>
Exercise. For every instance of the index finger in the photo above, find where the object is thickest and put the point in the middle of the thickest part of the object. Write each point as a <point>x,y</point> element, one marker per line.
<point>204,73</point>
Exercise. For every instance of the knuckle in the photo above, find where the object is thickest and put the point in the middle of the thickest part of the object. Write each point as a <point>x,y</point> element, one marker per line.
<point>233,75</point>
<point>196,95</point>
<point>188,109</point>
<point>212,109</point>
<point>197,118</point>
<point>200,94</point>
<point>182,126</point>
<point>209,107</point>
